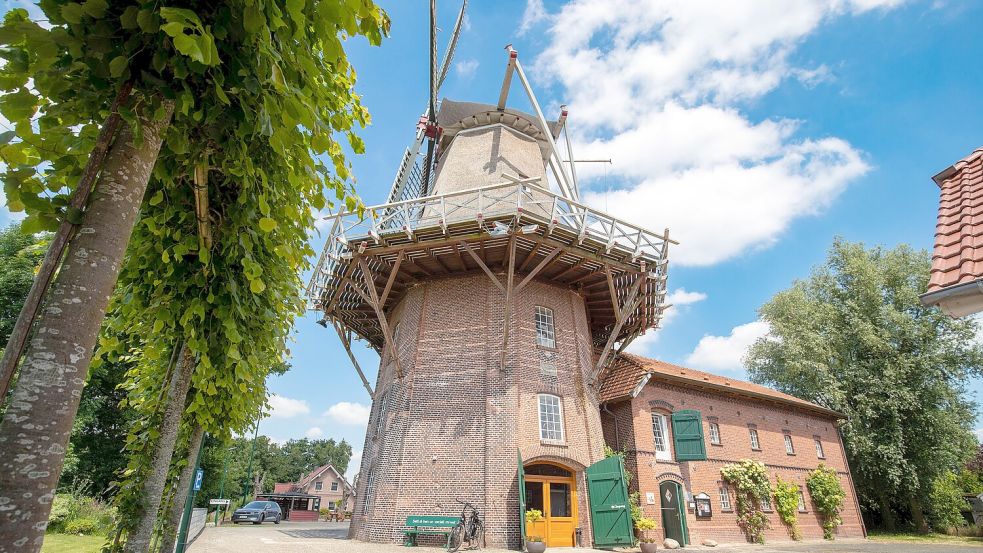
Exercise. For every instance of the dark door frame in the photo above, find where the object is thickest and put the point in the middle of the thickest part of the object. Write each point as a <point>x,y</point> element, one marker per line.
<point>681,507</point>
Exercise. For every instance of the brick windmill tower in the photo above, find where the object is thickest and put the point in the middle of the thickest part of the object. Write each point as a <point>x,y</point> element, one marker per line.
<point>496,300</point>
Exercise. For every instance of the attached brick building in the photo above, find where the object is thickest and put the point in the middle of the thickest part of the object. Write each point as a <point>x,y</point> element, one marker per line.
<point>646,403</point>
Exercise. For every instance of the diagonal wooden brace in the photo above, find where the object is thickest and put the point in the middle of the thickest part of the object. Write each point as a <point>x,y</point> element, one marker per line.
<point>481,264</point>
<point>631,302</point>
<point>380,314</point>
<point>346,341</point>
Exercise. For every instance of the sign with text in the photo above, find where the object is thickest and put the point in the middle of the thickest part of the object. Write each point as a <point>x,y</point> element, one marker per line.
<point>225,502</point>
<point>199,476</point>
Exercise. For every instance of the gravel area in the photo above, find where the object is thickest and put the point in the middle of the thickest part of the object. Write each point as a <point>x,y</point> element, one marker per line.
<point>330,537</point>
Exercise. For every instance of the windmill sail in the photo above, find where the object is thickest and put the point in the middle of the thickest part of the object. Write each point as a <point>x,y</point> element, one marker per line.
<point>410,181</point>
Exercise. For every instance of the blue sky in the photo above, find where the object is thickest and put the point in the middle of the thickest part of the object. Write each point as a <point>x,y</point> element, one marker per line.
<point>757,133</point>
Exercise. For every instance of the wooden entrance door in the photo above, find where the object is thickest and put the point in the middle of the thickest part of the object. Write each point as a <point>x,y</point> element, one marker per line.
<point>672,511</point>
<point>553,490</point>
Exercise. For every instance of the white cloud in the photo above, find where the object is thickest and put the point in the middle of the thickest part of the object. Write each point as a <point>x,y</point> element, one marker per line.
<point>726,353</point>
<point>680,296</point>
<point>285,407</point>
<point>314,432</point>
<point>354,464</point>
<point>658,86</point>
<point>533,14</point>
<point>466,68</point>
<point>348,413</point>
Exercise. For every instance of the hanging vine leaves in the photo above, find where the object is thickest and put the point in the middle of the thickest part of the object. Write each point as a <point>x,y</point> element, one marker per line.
<point>263,95</point>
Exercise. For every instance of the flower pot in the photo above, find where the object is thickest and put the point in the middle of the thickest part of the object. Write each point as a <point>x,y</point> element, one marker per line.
<point>535,546</point>
<point>648,547</point>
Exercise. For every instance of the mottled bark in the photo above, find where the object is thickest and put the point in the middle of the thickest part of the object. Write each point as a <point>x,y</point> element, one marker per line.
<point>36,427</point>
<point>153,485</point>
<point>180,497</point>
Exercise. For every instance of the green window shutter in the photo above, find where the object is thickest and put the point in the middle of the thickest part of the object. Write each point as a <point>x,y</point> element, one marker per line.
<point>687,436</point>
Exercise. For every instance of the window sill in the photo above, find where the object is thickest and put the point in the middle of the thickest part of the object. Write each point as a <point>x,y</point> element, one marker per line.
<point>821,458</point>
<point>755,449</point>
<point>715,444</point>
<point>790,454</point>
<point>555,443</point>
<point>546,348</point>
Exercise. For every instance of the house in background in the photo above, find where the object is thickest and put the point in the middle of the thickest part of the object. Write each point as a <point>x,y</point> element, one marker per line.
<point>678,427</point>
<point>956,284</point>
<point>323,488</point>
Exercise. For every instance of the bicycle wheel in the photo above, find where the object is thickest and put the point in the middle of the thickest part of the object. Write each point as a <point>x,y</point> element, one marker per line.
<point>479,535</point>
<point>456,538</point>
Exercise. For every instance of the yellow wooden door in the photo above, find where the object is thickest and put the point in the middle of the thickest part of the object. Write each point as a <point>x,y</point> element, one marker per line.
<point>556,497</point>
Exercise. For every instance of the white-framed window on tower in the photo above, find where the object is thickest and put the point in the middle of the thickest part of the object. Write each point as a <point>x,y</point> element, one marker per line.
<point>550,418</point>
<point>545,333</point>
<point>369,488</point>
<point>660,433</point>
<point>380,417</point>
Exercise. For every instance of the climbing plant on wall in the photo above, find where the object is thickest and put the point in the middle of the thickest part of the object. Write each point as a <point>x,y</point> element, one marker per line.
<point>750,481</point>
<point>827,495</point>
<point>787,504</point>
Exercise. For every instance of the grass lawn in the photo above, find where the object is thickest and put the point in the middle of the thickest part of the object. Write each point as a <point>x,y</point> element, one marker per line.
<point>65,543</point>
<point>912,537</point>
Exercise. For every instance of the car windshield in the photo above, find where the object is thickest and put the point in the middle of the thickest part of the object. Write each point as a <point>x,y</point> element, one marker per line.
<point>255,505</point>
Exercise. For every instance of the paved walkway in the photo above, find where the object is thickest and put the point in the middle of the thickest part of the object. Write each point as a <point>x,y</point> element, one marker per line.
<point>329,537</point>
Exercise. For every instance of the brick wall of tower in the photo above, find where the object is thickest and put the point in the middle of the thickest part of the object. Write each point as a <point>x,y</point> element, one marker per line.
<point>453,425</point>
<point>733,415</point>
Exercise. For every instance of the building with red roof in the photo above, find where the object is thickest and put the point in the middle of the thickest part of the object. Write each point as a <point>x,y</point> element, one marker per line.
<point>956,284</point>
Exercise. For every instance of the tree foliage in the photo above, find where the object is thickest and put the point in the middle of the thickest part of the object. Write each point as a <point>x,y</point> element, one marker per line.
<point>855,338</point>
<point>946,503</point>
<point>751,486</point>
<point>271,462</point>
<point>264,97</point>
<point>20,255</point>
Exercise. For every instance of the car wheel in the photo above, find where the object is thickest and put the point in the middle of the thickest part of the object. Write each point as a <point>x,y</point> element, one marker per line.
<point>261,519</point>
<point>276,520</point>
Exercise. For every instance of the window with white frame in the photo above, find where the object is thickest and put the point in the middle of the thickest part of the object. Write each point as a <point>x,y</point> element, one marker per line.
<point>802,501</point>
<point>369,485</point>
<point>724,498</point>
<point>380,417</point>
<point>545,333</point>
<point>334,486</point>
<point>819,449</point>
<point>755,444</point>
<point>660,432</point>
<point>550,418</point>
<point>714,433</point>
<point>317,486</point>
<point>766,502</point>
<point>789,448</point>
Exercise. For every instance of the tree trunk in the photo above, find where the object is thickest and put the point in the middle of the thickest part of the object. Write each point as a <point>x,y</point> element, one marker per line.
<point>153,486</point>
<point>257,483</point>
<point>887,515</point>
<point>173,522</point>
<point>36,427</point>
<point>918,515</point>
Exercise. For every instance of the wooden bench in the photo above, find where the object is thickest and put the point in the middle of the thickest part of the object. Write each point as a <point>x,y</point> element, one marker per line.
<point>429,525</point>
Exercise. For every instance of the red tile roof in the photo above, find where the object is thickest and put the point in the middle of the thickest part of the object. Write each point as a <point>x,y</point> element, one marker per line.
<point>628,371</point>
<point>958,255</point>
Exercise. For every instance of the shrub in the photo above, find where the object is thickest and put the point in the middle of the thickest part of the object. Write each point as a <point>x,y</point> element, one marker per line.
<point>787,504</point>
<point>534,515</point>
<point>644,524</point>
<point>82,526</point>
<point>750,481</point>
<point>827,494</point>
<point>945,503</point>
<point>76,514</point>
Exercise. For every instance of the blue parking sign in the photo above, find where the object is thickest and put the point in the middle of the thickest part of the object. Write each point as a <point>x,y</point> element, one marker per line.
<point>199,476</point>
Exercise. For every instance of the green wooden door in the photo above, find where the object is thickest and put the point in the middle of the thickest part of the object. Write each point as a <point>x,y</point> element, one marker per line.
<point>522,498</point>
<point>687,436</point>
<point>609,512</point>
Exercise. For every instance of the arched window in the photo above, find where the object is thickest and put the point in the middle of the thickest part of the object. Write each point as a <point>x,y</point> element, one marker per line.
<point>550,418</point>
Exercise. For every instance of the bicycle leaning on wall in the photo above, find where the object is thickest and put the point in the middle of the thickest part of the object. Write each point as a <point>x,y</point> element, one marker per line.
<point>470,529</point>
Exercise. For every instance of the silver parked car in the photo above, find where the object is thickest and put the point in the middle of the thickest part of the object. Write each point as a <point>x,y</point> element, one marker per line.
<point>258,512</point>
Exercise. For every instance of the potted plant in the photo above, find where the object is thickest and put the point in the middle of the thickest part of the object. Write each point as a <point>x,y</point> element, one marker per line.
<point>647,540</point>
<point>534,544</point>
